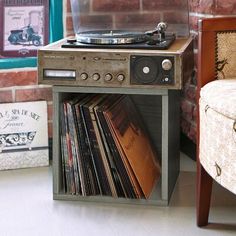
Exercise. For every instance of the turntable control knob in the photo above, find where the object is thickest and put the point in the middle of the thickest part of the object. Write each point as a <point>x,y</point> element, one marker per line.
<point>166,64</point>
<point>108,77</point>
<point>96,76</point>
<point>84,76</point>
<point>120,77</point>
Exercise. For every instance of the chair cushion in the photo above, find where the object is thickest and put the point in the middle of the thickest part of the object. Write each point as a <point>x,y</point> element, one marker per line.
<point>220,95</point>
<point>217,151</point>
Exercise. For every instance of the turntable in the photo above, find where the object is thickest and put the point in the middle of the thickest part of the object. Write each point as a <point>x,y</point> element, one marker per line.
<point>155,39</point>
<point>117,58</point>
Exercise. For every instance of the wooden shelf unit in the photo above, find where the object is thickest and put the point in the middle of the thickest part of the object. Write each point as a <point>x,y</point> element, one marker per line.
<point>159,109</point>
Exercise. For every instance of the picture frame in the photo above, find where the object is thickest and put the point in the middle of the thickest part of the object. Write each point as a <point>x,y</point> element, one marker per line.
<point>24,27</point>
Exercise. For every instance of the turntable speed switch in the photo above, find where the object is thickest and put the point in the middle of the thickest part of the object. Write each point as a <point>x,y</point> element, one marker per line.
<point>108,77</point>
<point>84,76</point>
<point>166,64</point>
<point>96,77</point>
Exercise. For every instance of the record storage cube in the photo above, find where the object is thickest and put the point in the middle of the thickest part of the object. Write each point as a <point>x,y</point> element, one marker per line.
<point>159,110</point>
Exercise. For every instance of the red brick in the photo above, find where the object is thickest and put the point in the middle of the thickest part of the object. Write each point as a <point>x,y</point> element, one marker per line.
<point>193,22</point>
<point>176,17</point>
<point>50,129</point>
<point>187,109</point>
<point>137,21</point>
<point>115,6</point>
<point>6,96</point>
<point>163,5</point>
<point>190,92</point>
<point>18,78</point>
<point>34,94</point>
<point>185,126</point>
<point>224,7</point>
<point>192,134</point>
<point>69,23</point>
<point>50,112</point>
<point>91,22</point>
<point>68,7</point>
<point>202,6</point>
<point>83,6</point>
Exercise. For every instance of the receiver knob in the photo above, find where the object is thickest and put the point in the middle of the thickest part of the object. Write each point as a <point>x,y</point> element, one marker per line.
<point>166,64</point>
<point>120,77</point>
<point>108,77</point>
<point>84,76</point>
<point>96,76</point>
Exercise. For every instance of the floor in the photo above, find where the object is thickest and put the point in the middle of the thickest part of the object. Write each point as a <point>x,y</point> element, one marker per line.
<point>27,208</point>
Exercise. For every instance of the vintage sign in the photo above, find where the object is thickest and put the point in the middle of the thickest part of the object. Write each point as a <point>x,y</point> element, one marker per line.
<point>24,25</point>
<point>23,135</point>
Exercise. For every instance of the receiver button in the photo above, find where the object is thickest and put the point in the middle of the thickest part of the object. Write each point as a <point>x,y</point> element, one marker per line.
<point>120,77</point>
<point>96,77</point>
<point>166,64</point>
<point>108,77</point>
<point>84,76</point>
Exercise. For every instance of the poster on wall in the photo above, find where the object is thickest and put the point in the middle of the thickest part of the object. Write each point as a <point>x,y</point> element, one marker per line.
<point>24,27</point>
<point>23,135</point>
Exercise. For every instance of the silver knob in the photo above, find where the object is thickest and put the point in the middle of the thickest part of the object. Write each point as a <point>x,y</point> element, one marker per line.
<point>166,64</point>
<point>108,77</point>
<point>95,76</point>
<point>121,77</point>
<point>84,76</point>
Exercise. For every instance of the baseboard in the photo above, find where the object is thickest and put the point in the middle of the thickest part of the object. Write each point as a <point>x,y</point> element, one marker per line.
<point>187,146</point>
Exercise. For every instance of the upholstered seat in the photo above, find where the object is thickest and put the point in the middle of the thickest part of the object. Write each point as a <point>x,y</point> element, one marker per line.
<point>216,126</point>
<point>217,150</point>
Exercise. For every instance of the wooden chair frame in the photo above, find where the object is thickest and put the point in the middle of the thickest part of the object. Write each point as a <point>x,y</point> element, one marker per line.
<point>208,29</point>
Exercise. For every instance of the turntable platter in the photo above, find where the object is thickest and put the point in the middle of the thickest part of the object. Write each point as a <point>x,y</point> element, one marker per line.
<point>111,37</point>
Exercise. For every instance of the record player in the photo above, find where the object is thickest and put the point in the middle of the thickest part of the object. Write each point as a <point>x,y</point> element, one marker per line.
<point>118,58</point>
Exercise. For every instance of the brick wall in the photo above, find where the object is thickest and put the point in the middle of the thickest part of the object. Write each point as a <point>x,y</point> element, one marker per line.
<point>199,9</point>
<point>20,85</point>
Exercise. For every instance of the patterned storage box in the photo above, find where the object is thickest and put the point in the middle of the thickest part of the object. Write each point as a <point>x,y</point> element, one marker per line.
<point>218,131</point>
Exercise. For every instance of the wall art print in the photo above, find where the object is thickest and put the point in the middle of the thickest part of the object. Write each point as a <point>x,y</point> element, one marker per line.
<point>24,27</point>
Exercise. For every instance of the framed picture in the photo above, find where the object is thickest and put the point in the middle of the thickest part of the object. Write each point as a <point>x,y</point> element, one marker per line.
<point>24,27</point>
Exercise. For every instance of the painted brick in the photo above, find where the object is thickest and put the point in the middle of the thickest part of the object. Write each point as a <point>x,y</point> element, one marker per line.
<point>18,78</point>
<point>34,94</point>
<point>137,21</point>
<point>6,96</point>
<point>115,6</point>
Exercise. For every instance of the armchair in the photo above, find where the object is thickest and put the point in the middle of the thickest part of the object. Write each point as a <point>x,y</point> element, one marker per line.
<point>216,124</point>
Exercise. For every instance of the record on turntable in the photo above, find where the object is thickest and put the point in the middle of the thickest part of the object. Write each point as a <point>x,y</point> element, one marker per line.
<point>111,37</point>
<point>154,39</point>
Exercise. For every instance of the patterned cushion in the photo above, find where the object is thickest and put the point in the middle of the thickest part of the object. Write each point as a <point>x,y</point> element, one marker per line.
<point>217,151</point>
<point>220,95</point>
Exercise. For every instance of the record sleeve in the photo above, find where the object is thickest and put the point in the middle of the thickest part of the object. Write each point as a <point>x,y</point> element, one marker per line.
<point>133,139</point>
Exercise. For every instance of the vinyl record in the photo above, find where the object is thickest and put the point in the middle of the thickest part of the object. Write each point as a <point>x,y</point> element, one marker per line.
<point>111,37</point>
